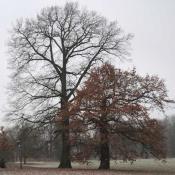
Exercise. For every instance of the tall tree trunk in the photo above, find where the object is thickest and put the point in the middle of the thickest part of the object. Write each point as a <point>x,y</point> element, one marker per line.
<point>104,149</point>
<point>104,139</point>
<point>65,161</point>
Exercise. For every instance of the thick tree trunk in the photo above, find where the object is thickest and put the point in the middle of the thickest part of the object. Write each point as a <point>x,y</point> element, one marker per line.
<point>104,149</point>
<point>65,161</point>
<point>104,139</point>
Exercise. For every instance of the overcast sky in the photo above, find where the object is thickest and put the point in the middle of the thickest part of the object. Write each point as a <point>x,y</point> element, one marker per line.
<point>151,21</point>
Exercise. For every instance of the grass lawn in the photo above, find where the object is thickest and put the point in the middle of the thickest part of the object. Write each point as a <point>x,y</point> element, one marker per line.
<point>139,167</point>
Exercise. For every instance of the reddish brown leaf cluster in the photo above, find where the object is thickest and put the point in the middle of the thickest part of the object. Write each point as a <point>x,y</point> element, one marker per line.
<point>113,108</point>
<point>4,142</point>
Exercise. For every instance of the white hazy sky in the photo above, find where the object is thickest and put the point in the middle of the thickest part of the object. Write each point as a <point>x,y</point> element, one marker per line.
<point>151,21</point>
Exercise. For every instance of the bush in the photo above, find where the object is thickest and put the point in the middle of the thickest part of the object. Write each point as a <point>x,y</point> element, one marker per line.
<point>2,163</point>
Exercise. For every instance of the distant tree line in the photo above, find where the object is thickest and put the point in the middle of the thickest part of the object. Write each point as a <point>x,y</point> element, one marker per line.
<point>37,145</point>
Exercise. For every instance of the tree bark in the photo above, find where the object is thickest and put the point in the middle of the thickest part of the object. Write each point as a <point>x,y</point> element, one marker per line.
<point>104,149</point>
<point>104,138</point>
<point>65,161</point>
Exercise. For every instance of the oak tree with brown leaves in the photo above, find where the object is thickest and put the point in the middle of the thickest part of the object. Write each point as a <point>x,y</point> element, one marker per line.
<point>117,106</point>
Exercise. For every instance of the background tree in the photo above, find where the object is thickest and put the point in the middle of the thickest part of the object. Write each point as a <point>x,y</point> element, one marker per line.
<point>50,57</point>
<point>117,104</point>
<point>169,123</point>
<point>45,142</point>
<point>5,146</point>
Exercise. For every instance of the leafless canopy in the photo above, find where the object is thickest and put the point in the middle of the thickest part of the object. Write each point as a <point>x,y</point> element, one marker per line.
<point>52,54</point>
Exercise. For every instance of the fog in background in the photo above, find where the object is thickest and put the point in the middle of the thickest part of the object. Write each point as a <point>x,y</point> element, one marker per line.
<point>151,21</point>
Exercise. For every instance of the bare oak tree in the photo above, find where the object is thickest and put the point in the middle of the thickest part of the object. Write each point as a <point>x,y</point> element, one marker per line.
<point>50,57</point>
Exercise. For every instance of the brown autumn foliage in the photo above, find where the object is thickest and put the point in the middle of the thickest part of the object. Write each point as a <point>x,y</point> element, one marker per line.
<point>4,142</point>
<point>113,109</point>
